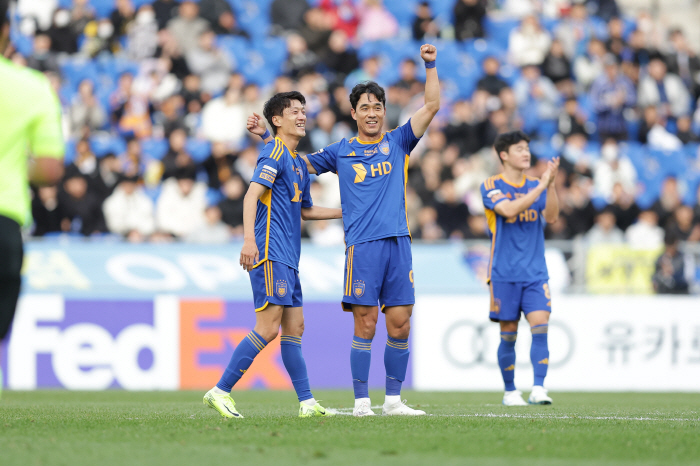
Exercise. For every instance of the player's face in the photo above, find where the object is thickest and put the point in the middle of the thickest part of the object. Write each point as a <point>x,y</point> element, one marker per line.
<point>294,120</point>
<point>518,156</point>
<point>370,115</point>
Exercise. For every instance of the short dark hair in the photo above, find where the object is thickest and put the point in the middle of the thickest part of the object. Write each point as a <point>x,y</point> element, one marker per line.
<point>505,140</point>
<point>367,87</point>
<point>4,6</point>
<point>277,103</point>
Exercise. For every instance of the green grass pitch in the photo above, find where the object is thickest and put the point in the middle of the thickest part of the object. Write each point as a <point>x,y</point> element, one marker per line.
<point>174,428</point>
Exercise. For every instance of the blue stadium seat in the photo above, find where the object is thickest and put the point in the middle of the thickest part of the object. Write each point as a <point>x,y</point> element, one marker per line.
<point>671,163</point>
<point>543,150</point>
<point>152,192</point>
<point>403,10</point>
<point>102,144</point>
<point>237,47</point>
<point>77,69</point>
<point>498,29</point>
<point>103,8</point>
<point>199,149</point>
<point>214,196</point>
<point>70,151</point>
<point>154,148</point>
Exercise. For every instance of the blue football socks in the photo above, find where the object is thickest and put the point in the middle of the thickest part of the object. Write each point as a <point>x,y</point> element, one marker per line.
<point>241,360</point>
<point>539,352</point>
<point>296,366</point>
<point>395,362</point>
<point>360,358</point>
<point>506,359</point>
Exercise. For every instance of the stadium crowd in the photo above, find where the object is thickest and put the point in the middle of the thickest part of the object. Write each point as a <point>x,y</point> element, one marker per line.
<point>155,96</point>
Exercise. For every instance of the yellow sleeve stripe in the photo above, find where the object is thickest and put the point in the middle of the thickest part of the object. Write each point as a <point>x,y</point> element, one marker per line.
<point>279,150</point>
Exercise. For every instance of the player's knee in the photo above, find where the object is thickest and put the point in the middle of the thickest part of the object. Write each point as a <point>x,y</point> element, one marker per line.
<point>296,329</point>
<point>365,327</point>
<point>509,326</point>
<point>268,332</point>
<point>400,330</point>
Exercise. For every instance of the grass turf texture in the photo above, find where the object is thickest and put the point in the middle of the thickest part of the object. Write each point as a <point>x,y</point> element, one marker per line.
<point>174,428</point>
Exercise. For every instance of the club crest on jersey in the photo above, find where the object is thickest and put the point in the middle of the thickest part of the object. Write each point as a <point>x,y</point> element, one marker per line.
<point>384,147</point>
<point>358,288</point>
<point>281,288</point>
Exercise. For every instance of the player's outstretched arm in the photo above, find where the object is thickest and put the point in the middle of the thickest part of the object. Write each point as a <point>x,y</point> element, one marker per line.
<point>309,167</point>
<point>249,252</point>
<point>320,213</point>
<point>512,208</point>
<point>551,208</point>
<point>256,125</point>
<point>422,118</point>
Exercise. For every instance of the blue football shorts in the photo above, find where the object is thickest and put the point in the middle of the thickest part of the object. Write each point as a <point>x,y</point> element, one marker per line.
<point>379,271</point>
<point>275,283</point>
<point>509,299</point>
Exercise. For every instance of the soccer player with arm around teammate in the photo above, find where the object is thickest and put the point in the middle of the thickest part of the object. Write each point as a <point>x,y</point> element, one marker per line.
<point>372,171</point>
<point>517,207</point>
<point>276,201</point>
<point>31,150</point>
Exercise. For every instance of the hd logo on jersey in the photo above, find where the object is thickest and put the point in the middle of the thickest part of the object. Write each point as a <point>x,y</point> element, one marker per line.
<point>384,147</point>
<point>358,288</point>
<point>281,288</point>
<point>360,171</point>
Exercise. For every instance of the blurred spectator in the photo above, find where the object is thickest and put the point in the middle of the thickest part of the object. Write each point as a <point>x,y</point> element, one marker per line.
<point>181,204</point>
<point>165,10</point>
<point>288,15</point>
<point>669,200</point>
<point>129,211</point>
<point>683,61</point>
<point>575,30</point>
<point>86,110</point>
<point>324,133</point>
<point>171,115</point>
<point>664,90</point>
<point>143,34</point>
<point>528,44</point>
<point>340,57</point>
<point>536,92</point>
<point>611,94</point>
<point>82,210</point>
<point>577,208</point>
<point>212,231</point>
<point>604,231</point>
<point>224,118</point>
<point>231,205</point>
<point>220,17</point>
<point>683,226</point>
<point>684,130</point>
<point>589,66</point>
<point>343,14</point>
<point>424,27</point>
<point>624,206</point>
<point>604,9</point>
<point>121,18</point>
<point>210,63</point>
<point>177,158</point>
<point>63,38</point>
<point>452,212</point>
<point>613,168</point>
<point>672,269</point>
<point>491,82</point>
<point>376,22</point>
<point>407,75</point>
<point>646,233</point>
<point>616,42</point>
<point>317,30</point>
<point>557,68</point>
<point>219,165</point>
<point>463,130</point>
<point>369,71</point>
<point>187,26</point>
<point>131,161</point>
<point>103,181</point>
<point>469,17</point>
<point>656,135</point>
<point>42,58</point>
<point>46,211</point>
<point>300,59</point>
<point>97,37</point>
<point>572,120</point>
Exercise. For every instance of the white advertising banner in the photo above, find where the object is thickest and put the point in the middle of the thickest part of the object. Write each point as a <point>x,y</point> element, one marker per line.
<point>596,343</point>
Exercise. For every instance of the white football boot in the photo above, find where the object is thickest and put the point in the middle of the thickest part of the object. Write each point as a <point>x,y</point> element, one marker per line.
<point>539,396</point>
<point>362,408</point>
<point>514,398</point>
<point>400,409</point>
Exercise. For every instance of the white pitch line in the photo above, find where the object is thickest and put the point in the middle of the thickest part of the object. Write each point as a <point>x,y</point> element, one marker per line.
<point>348,412</point>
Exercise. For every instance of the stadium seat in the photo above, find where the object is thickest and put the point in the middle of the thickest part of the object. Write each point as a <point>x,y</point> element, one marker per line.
<point>70,151</point>
<point>214,196</point>
<point>154,148</point>
<point>499,29</point>
<point>102,144</point>
<point>199,149</point>
<point>403,10</point>
<point>670,163</point>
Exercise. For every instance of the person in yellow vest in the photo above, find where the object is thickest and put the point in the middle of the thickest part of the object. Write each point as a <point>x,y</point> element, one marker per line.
<point>31,150</point>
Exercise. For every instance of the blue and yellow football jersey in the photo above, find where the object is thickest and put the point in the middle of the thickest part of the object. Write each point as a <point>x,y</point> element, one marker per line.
<point>372,179</point>
<point>278,218</point>
<point>517,244</point>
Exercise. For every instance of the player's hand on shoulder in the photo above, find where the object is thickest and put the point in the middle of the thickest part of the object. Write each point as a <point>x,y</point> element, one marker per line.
<point>428,52</point>
<point>249,255</point>
<point>256,124</point>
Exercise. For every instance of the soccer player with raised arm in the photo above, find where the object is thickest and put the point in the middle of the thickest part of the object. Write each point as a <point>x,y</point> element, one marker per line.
<point>31,149</point>
<point>372,170</point>
<point>517,206</point>
<point>278,197</point>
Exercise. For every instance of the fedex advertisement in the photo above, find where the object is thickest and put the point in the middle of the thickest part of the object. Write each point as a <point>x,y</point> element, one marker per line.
<point>167,343</point>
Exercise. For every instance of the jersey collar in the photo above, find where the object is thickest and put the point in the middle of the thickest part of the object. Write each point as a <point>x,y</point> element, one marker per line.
<point>522,183</point>
<point>369,142</point>
<point>293,153</point>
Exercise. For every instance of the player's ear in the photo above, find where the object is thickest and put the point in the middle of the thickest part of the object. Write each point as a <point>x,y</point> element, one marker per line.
<point>276,121</point>
<point>353,114</point>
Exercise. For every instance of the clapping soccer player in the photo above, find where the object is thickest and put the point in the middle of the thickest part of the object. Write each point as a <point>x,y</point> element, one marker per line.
<point>31,149</point>
<point>278,197</point>
<point>517,206</point>
<point>372,171</point>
